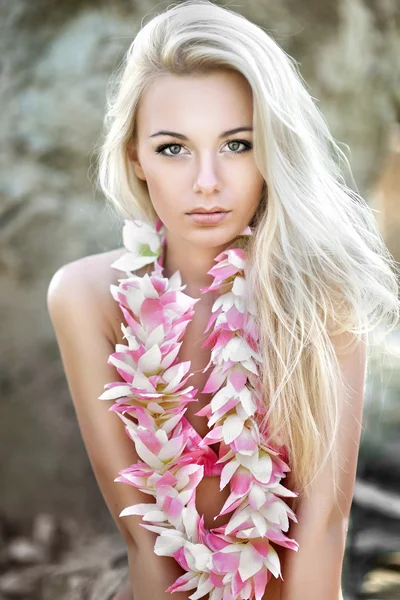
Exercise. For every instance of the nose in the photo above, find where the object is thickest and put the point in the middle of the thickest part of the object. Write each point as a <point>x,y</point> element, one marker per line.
<point>206,180</point>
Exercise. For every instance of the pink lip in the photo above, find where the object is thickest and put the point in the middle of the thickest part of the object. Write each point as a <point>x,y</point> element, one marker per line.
<point>208,218</point>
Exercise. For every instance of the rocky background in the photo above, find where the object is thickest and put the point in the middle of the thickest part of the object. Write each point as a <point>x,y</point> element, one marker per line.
<point>56,59</point>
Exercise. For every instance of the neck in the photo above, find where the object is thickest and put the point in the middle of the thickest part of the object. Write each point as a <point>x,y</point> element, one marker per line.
<point>192,262</point>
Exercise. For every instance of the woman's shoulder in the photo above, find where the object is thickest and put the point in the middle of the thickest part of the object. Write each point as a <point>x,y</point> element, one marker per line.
<point>85,283</point>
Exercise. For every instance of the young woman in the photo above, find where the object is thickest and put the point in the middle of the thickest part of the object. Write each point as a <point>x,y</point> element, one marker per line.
<point>249,266</point>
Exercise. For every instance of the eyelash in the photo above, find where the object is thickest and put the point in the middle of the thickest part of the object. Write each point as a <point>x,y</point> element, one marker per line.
<point>160,149</point>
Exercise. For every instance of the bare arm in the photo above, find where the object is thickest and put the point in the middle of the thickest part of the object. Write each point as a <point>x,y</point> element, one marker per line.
<point>315,571</point>
<point>85,343</point>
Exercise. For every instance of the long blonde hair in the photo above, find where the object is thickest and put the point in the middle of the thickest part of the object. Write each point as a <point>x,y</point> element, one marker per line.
<point>317,264</point>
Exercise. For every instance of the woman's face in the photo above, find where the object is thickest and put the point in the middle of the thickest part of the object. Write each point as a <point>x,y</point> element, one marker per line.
<point>197,164</point>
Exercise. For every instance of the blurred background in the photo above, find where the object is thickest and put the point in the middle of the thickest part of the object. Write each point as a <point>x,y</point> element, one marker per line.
<point>57,539</point>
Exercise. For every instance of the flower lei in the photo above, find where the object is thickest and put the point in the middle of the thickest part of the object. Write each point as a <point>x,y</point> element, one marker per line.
<point>236,560</point>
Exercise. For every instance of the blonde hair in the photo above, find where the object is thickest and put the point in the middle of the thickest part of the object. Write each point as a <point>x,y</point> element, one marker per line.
<point>317,264</point>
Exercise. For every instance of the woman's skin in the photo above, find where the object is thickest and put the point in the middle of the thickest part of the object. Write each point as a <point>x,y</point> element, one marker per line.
<point>210,169</point>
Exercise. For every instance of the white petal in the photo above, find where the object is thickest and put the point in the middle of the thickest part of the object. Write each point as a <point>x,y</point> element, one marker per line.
<point>170,357</point>
<point>174,375</point>
<point>264,469</point>
<point>175,281</point>
<point>217,594</point>
<point>135,299</point>
<point>154,407</point>
<point>120,364</point>
<point>259,523</point>
<point>170,424</point>
<point>190,584</point>
<point>246,399</point>
<point>161,435</point>
<point>148,457</point>
<point>135,233</point>
<point>272,562</point>
<point>129,262</point>
<point>231,548</point>
<point>190,518</point>
<point>250,366</point>
<point>202,589</point>
<point>220,320</point>
<point>171,448</point>
<point>220,398</point>
<point>257,495</point>
<point>238,519</point>
<point>227,472</point>
<point>238,287</point>
<point>237,350</point>
<point>231,428</point>
<point>147,288</point>
<point>249,461</point>
<point>137,509</point>
<point>149,362</point>
<point>184,497</point>
<point>250,562</point>
<point>141,381</point>
<point>159,529</point>
<point>156,336</point>
<point>274,513</point>
<point>200,554</point>
<point>236,261</point>
<point>282,491</point>
<point>166,545</point>
<point>155,515</point>
<point>240,304</point>
<point>115,392</point>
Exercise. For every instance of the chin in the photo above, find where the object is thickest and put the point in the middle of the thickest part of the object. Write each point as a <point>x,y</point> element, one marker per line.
<point>217,235</point>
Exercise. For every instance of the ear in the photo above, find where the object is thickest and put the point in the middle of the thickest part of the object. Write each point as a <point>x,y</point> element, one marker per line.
<point>134,159</point>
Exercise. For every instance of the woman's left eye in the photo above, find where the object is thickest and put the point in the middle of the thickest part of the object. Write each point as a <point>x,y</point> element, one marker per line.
<point>161,149</point>
<point>247,145</point>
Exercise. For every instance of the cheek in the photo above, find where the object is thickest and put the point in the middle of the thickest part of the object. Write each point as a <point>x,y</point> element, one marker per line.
<point>244,174</point>
<point>252,190</point>
<point>165,199</point>
<point>162,180</point>
<point>160,186</point>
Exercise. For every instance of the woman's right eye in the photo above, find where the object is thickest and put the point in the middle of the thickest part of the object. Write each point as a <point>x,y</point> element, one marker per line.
<point>160,149</point>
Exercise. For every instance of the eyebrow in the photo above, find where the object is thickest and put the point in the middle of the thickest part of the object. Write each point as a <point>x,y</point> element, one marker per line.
<point>183,137</point>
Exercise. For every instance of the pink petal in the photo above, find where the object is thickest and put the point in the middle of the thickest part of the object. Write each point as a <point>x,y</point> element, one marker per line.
<point>261,579</point>
<point>238,378</point>
<point>151,313</point>
<point>241,481</point>
<point>224,562</point>
<point>244,443</point>
<point>214,382</point>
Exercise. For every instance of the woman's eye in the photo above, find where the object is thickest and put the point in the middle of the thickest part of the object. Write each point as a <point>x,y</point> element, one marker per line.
<point>247,145</point>
<point>174,148</point>
<point>164,147</point>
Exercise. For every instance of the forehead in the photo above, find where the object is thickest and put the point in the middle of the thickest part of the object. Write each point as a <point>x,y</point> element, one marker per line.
<point>216,101</point>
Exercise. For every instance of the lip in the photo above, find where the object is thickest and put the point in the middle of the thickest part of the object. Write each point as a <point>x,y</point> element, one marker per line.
<point>201,209</point>
<point>208,218</point>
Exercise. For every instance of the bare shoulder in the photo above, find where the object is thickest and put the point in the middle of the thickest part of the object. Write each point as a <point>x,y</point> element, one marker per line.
<point>85,284</point>
<point>83,312</point>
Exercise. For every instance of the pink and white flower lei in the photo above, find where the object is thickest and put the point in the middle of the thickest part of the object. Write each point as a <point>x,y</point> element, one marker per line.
<point>236,560</point>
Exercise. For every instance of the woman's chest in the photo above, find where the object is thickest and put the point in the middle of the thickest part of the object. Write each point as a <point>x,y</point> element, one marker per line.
<point>191,351</point>
<point>209,498</point>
